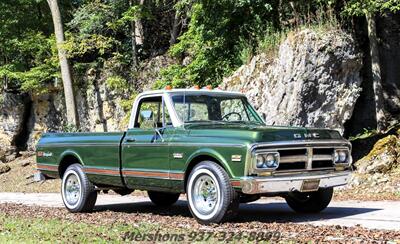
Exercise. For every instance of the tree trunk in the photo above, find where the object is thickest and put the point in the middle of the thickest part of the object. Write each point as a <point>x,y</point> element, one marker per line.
<point>72,115</point>
<point>376,73</point>
<point>175,29</point>
<point>139,28</point>
<point>133,42</point>
<point>295,13</point>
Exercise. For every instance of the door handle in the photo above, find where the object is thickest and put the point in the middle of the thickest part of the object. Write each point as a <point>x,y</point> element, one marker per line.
<point>130,139</point>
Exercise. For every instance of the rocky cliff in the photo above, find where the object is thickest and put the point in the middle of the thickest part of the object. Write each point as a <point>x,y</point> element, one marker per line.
<point>24,117</point>
<point>313,81</point>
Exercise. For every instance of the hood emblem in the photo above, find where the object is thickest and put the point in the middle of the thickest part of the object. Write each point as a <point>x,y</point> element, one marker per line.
<point>306,135</point>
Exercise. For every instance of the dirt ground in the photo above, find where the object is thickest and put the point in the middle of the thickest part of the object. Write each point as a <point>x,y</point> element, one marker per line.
<point>165,222</point>
<point>20,178</point>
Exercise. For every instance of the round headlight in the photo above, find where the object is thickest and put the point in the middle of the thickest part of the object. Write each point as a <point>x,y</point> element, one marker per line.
<point>271,161</point>
<point>342,156</point>
<point>336,157</point>
<point>260,161</point>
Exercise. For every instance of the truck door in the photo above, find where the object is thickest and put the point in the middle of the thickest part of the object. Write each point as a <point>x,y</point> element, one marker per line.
<point>145,151</point>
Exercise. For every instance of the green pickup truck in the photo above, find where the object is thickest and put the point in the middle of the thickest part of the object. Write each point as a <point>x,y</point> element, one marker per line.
<point>209,144</point>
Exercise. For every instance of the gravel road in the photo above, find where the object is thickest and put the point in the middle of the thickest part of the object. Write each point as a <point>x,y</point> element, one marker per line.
<point>384,215</point>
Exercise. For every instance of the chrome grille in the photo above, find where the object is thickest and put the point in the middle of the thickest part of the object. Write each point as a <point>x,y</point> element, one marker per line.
<point>308,158</point>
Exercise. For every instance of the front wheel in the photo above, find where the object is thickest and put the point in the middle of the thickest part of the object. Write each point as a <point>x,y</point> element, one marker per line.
<point>78,193</point>
<point>210,194</point>
<point>310,202</point>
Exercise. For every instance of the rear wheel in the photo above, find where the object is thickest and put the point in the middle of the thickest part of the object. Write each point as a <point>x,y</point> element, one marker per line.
<point>163,199</point>
<point>310,202</point>
<point>210,194</point>
<point>78,193</point>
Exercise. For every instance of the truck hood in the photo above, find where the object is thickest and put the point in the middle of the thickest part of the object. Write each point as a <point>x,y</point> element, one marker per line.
<point>257,133</point>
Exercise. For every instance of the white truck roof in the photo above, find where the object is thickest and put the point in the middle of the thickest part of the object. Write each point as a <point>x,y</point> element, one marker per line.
<point>191,90</point>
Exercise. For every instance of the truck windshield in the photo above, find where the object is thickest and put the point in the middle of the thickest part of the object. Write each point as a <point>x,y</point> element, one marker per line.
<point>214,108</point>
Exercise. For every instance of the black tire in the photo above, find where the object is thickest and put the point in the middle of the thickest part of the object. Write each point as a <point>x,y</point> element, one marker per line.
<point>310,202</point>
<point>163,199</point>
<point>225,207</point>
<point>87,196</point>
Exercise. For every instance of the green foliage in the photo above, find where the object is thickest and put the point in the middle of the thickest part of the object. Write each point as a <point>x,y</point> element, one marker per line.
<point>117,83</point>
<point>35,74</point>
<point>367,133</point>
<point>126,105</point>
<point>213,41</point>
<point>135,12</point>
<point>362,7</point>
<point>93,43</point>
<point>271,40</point>
<point>91,18</point>
<point>89,35</point>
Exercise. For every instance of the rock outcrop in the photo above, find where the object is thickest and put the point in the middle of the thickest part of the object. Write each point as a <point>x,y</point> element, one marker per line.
<point>24,118</point>
<point>313,81</point>
<point>384,157</point>
<point>4,168</point>
<point>12,119</point>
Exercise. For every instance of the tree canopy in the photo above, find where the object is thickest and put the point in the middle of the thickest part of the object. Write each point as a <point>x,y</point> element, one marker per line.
<point>210,39</point>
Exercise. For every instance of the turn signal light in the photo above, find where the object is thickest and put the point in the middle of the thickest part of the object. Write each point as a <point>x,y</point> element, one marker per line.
<point>209,87</point>
<point>168,87</point>
<point>196,87</point>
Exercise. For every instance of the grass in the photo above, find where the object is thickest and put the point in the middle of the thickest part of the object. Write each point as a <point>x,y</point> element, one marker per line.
<point>18,230</point>
<point>36,230</point>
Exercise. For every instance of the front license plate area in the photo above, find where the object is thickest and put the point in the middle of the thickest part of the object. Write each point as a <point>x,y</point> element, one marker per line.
<point>310,185</point>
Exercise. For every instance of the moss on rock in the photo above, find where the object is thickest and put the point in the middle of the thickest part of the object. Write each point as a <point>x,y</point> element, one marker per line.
<point>384,156</point>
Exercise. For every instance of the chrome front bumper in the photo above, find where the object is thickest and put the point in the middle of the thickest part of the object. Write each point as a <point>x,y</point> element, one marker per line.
<point>288,183</point>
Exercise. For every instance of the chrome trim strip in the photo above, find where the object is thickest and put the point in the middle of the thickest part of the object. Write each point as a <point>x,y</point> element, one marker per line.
<point>293,159</point>
<point>72,144</point>
<point>143,144</point>
<point>49,170</point>
<point>300,171</point>
<point>138,173</point>
<point>206,144</point>
<point>323,157</point>
<point>103,174</point>
<point>46,164</point>
<point>309,158</point>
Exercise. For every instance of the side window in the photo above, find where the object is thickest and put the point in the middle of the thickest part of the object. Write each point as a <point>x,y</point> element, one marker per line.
<point>149,113</point>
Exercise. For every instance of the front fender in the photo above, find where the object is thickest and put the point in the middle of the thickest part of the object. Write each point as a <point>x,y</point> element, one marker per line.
<point>210,153</point>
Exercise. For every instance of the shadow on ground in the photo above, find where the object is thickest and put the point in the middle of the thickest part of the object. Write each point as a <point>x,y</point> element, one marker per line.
<point>266,213</point>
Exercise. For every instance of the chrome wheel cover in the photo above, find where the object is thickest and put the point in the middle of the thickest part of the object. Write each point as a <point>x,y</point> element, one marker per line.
<point>204,194</point>
<point>72,189</point>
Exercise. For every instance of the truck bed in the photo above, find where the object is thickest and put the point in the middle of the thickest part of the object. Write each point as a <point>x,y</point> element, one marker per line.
<point>99,152</point>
